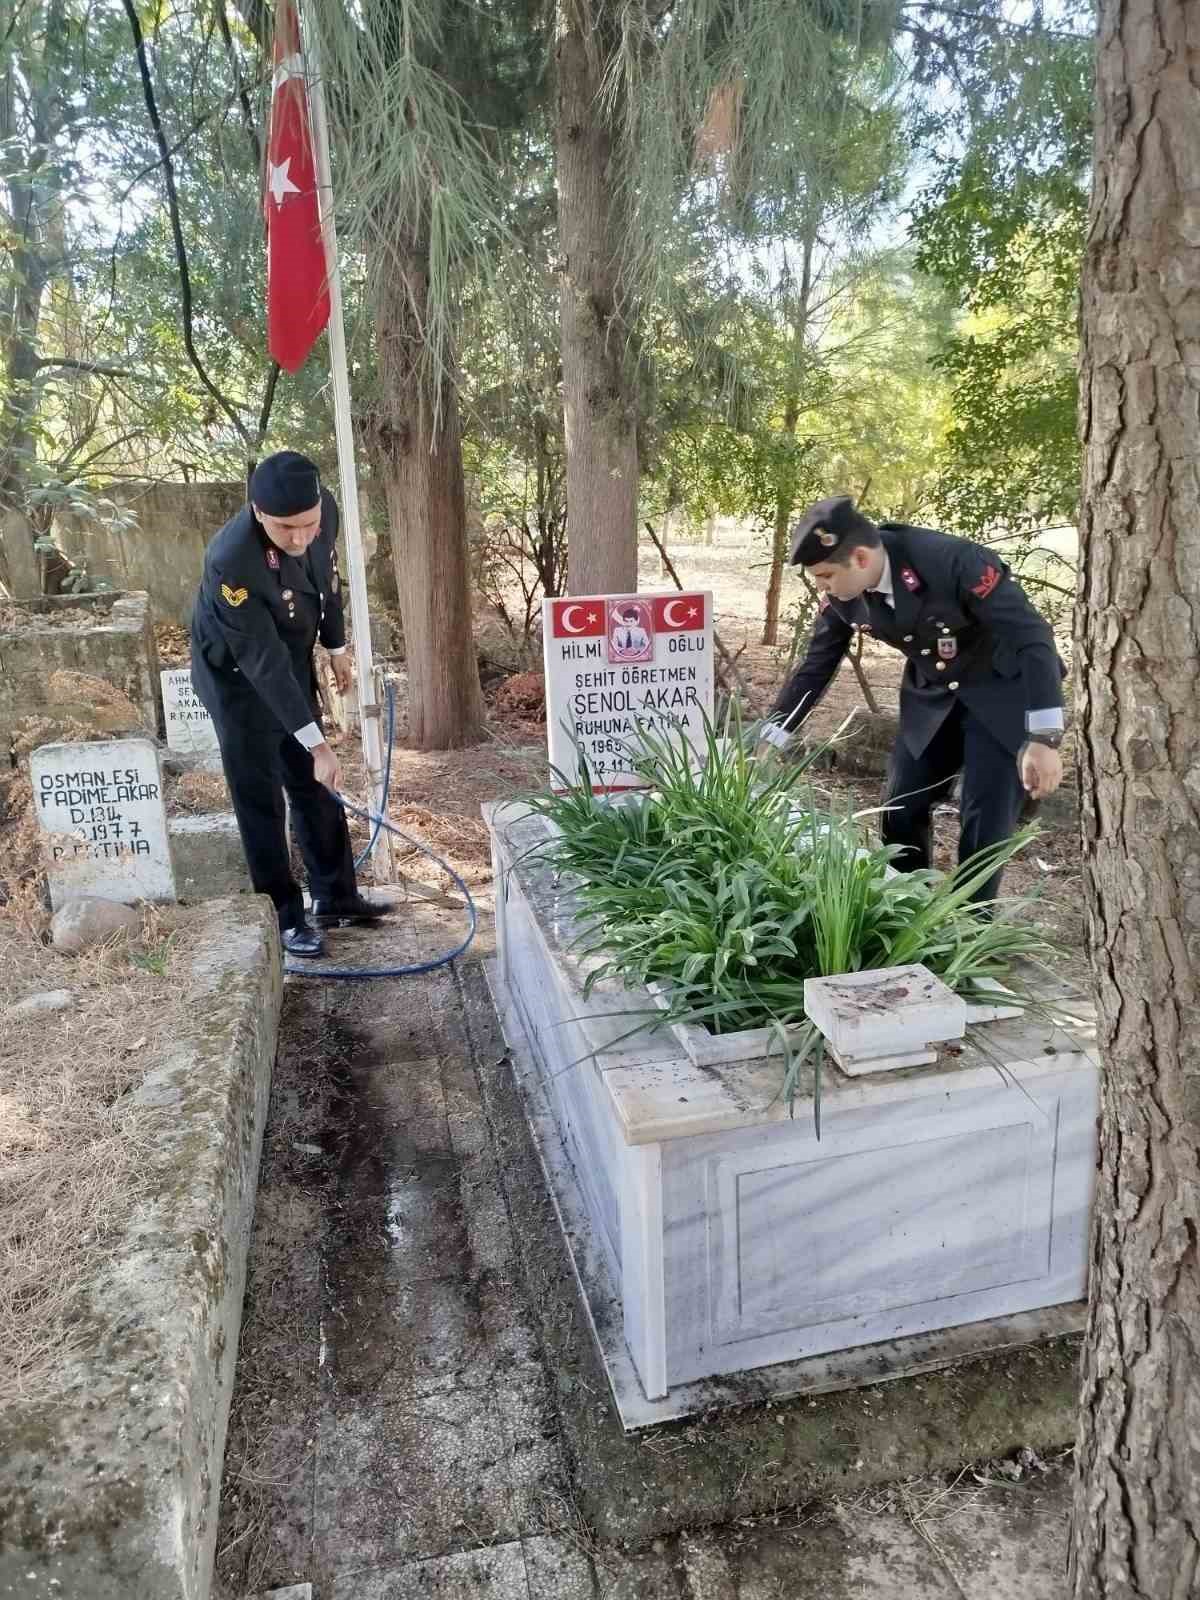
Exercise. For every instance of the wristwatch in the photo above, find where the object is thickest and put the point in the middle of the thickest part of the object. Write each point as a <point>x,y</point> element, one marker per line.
<point>1050,737</point>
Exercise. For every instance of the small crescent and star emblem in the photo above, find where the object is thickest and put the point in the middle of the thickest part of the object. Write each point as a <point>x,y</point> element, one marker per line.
<point>234,597</point>
<point>273,560</point>
<point>909,579</point>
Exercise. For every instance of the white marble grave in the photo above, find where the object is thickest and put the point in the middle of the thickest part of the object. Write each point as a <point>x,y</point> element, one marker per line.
<point>190,729</point>
<point>100,806</point>
<point>943,1211</point>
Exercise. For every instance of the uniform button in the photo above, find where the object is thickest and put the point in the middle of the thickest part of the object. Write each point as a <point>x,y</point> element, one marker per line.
<point>945,629</point>
<point>924,652</point>
<point>941,666</point>
<point>952,686</point>
<point>908,638</point>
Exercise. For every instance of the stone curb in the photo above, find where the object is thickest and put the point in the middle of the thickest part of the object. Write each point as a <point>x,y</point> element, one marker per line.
<point>109,1490</point>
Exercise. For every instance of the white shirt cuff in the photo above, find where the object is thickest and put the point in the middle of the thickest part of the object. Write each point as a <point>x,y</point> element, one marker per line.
<point>772,733</point>
<point>1048,721</point>
<point>338,650</point>
<point>310,736</point>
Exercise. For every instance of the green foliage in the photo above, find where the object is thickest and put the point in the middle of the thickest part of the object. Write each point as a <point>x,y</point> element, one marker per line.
<point>733,882</point>
<point>1002,225</point>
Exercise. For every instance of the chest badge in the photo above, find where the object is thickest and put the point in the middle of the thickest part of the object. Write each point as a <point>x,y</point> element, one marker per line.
<point>947,647</point>
<point>234,597</point>
<point>909,579</point>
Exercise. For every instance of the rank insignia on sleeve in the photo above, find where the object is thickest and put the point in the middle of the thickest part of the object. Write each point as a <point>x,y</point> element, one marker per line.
<point>273,560</point>
<point>234,597</point>
<point>987,583</point>
<point>909,579</point>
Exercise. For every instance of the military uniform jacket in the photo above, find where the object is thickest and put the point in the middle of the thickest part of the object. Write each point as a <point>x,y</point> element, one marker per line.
<point>968,631</point>
<point>260,611</point>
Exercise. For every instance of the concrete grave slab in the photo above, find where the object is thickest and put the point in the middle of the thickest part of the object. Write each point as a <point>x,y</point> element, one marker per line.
<point>207,855</point>
<point>885,1018</point>
<point>101,810</point>
<point>109,1486</point>
<point>943,1210</point>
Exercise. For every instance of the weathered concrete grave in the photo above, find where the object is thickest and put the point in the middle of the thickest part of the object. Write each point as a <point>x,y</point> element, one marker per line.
<point>101,809</point>
<point>190,729</point>
<point>943,1212</point>
<point>51,647</point>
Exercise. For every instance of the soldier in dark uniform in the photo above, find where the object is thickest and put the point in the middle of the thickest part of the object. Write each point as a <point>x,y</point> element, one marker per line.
<point>270,590</point>
<point>982,691</point>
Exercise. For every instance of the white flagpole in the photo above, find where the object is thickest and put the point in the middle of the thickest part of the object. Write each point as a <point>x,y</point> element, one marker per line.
<point>369,710</point>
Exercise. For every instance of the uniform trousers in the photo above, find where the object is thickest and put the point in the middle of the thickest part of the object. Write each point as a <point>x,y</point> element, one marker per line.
<point>990,805</point>
<point>261,762</point>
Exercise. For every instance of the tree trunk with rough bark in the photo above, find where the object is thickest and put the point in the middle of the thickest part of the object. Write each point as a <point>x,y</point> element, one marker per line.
<point>1136,1531</point>
<point>419,460</point>
<point>599,362</point>
<point>779,537</point>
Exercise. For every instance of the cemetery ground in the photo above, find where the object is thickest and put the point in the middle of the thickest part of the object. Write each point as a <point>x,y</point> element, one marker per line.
<point>418,1407</point>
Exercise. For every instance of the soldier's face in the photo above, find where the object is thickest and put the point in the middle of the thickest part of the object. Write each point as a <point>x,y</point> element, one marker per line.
<point>846,580</point>
<point>293,534</point>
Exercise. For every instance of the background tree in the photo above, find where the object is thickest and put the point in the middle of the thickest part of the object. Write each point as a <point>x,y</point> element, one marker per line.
<point>1136,1529</point>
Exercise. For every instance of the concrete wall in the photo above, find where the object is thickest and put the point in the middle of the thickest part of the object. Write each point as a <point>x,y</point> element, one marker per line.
<point>164,552</point>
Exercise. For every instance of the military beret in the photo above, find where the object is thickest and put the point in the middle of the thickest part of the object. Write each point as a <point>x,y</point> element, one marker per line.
<point>285,484</point>
<point>824,528</point>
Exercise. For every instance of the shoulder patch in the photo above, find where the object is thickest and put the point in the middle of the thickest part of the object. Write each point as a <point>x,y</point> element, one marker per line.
<point>234,597</point>
<point>989,580</point>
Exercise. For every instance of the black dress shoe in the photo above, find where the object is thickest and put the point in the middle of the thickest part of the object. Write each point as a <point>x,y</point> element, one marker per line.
<point>302,941</point>
<point>329,913</point>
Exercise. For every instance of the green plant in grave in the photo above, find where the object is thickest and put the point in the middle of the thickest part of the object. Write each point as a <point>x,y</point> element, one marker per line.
<point>730,882</point>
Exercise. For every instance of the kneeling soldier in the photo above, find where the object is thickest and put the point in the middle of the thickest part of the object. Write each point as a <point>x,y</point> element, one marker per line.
<point>982,691</point>
<point>270,589</point>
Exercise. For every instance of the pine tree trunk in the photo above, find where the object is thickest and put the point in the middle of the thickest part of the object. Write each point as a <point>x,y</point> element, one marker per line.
<point>598,359</point>
<point>1136,1532</point>
<point>779,539</point>
<point>419,460</point>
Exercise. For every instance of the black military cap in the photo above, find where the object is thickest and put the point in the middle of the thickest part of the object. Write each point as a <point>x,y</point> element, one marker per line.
<point>285,484</point>
<point>824,527</point>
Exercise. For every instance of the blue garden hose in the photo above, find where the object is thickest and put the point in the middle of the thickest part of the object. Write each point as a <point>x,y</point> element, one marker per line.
<point>307,969</point>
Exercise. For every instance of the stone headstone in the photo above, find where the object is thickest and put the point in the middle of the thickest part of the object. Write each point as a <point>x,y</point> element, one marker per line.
<point>105,825</point>
<point>190,729</point>
<point>616,664</point>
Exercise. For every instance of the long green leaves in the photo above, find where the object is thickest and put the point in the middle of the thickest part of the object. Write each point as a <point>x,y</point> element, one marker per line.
<point>730,883</point>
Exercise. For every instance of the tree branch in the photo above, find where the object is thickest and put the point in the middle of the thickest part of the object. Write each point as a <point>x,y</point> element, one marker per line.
<point>67,364</point>
<point>185,282</point>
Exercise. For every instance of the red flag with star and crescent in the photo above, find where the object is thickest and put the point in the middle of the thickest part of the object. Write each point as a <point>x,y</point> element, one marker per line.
<point>297,276</point>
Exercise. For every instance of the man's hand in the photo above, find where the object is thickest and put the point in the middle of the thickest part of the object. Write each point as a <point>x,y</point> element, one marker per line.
<point>1041,770</point>
<point>343,672</point>
<point>325,766</point>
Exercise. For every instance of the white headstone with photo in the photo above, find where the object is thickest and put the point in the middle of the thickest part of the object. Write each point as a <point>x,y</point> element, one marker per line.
<point>190,729</point>
<point>617,664</point>
<point>105,824</point>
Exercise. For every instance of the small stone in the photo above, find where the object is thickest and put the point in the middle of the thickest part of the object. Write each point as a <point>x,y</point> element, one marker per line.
<point>87,921</point>
<point>40,1005</point>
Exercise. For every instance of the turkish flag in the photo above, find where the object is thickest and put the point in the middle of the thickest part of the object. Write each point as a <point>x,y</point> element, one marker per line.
<point>675,613</point>
<point>297,273</point>
<point>578,619</point>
